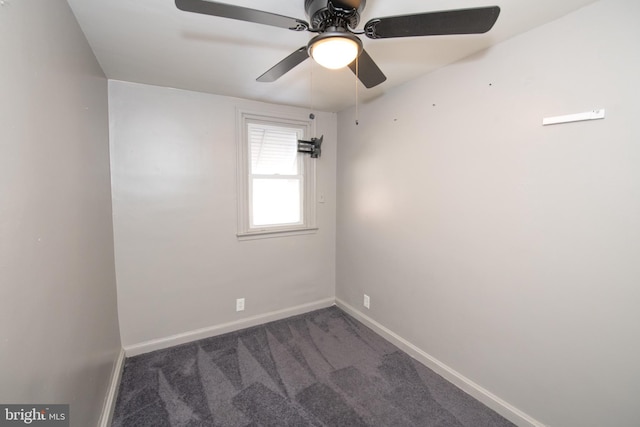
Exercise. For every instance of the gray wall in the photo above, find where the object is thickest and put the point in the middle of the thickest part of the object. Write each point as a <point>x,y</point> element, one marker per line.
<point>59,334</point>
<point>507,250</point>
<point>180,266</point>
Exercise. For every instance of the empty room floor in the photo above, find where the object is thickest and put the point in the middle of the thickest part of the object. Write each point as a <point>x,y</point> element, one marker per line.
<point>322,368</point>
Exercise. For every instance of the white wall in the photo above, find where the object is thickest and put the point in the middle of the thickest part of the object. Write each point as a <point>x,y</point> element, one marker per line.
<point>179,264</point>
<point>507,250</point>
<point>59,334</point>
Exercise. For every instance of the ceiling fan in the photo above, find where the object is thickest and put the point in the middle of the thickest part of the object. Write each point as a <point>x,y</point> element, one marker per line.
<point>336,44</point>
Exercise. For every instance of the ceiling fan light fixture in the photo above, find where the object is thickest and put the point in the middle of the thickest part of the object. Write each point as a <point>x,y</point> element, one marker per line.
<point>336,44</point>
<point>335,50</point>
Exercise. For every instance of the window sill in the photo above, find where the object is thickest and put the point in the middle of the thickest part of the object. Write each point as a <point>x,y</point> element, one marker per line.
<point>270,234</point>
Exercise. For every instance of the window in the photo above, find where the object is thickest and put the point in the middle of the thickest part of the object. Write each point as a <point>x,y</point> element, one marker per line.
<point>276,184</point>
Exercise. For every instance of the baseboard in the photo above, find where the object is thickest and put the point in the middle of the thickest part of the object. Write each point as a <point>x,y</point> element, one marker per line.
<point>508,411</point>
<point>112,392</point>
<point>211,331</point>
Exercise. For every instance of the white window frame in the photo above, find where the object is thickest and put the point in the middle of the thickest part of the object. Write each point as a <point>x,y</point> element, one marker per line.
<point>308,202</point>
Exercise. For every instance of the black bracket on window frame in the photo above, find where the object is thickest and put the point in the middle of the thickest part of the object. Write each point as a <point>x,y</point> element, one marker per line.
<point>313,147</point>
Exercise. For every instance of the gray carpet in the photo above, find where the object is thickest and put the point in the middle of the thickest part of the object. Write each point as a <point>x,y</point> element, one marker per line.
<point>322,368</point>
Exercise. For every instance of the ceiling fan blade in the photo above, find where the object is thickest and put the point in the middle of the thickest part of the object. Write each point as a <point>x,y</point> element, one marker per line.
<point>241,13</point>
<point>284,66</point>
<point>462,21</point>
<point>367,71</point>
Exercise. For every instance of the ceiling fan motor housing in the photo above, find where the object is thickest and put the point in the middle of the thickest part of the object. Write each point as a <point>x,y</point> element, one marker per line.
<point>333,13</point>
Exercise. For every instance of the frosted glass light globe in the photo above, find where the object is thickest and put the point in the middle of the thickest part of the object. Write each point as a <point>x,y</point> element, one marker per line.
<point>335,52</point>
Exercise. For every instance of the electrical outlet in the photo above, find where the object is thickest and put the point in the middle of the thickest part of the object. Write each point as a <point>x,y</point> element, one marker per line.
<point>240,304</point>
<point>367,301</point>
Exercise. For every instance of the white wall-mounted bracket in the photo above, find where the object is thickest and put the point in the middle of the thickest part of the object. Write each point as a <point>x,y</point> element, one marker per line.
<point>579,117</point>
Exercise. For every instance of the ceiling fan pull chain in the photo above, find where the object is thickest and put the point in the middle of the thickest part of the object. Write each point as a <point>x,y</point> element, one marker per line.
<point>312,116</point>
<point>311,87</point>
<point>357,79</point>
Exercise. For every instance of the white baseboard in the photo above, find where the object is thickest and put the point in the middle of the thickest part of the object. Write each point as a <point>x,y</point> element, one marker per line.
<point>112,392</point>
<point>211,331</point>
<point>508,411</point>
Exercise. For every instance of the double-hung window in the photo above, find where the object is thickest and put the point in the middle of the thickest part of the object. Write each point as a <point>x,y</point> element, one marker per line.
<point>276,184</point>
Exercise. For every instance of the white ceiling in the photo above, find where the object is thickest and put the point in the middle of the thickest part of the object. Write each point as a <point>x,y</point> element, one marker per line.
<point>151,41</point>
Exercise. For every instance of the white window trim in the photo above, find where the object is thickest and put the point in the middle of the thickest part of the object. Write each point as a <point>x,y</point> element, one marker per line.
<point>242,149</point>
